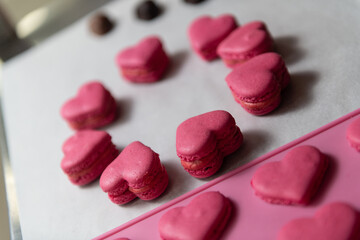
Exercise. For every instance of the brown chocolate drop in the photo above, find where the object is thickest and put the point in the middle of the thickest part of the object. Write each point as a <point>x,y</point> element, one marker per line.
<point>100,24</point>
<point>147,10</point>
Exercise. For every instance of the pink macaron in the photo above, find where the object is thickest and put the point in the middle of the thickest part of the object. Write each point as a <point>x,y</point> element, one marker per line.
<point>86,154</point>
<point>353,134</point>
<point>145,62</point>
<point>136,172</point>
<point>257,84</point>
<point>244,43</point>
<point>206,33</point>
<point>92,107</point>
<point>333,221</point>
<point>204,140</point>
<point>292,181</point>
<point>204,218</point>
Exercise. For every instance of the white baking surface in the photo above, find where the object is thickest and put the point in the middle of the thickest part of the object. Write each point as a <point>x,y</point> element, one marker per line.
<point>319,41</point>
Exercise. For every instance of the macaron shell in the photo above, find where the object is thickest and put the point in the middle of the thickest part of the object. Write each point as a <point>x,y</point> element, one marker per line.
<point>353,134</point>
<point>131,165</point>
<point>246,41</point>
<point>156,187</point>
<point>79,147</point>
<point>94,171</point>
<point>294,179</point>
<point>136,170</point>
<point>197,135</point>
<point>334,221</point>
<point>141,54</point>
<point>90,99</point>
<point>257,84</point>
<point>204,217</point>
<point>206,33</point>
<point>252,85</point>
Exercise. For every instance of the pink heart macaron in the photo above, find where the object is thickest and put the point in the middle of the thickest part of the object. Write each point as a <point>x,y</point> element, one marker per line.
<point>257,84</point>
<point>334,221</point>
<point>136,172</point>
<point>204,140</point>
<point>244,43</point>
<point>143,63</point>
<point>206,33</point>
<point>92,107</point>
<point>86,154</point>
<point>353,134</point>
<point>293,180</point>
<point>204,218</point>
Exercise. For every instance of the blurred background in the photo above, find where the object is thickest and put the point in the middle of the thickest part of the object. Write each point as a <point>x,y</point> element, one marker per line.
<point>24,24</point>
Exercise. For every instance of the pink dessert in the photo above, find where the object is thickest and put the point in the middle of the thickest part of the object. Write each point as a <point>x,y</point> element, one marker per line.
<point>293,180</point>
<point>245,43</point>
<point>206,33</point>
<point>334,221</point>
<point>204,218</point>
<point>86,154</point>
<point>257,84</point>
<point>136,172</point>
<point>204,140</point>
<point>144,63</point>
<point>353,134</point>
<point>92,107</point>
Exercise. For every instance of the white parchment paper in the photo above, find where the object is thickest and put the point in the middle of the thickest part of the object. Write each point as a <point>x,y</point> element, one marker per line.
<point>319,41</point>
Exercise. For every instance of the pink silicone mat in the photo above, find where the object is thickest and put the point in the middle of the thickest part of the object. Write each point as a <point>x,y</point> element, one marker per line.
<point>253,218</point>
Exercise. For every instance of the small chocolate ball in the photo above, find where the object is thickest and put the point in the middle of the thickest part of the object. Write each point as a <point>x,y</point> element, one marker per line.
<point>100,24</point>
<point>147,10</point>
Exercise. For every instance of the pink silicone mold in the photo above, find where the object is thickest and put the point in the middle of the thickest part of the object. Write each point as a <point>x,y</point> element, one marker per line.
<point>250,212</point>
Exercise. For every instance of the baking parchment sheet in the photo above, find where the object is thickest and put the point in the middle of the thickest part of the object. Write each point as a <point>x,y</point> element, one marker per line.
<point>319,41</point>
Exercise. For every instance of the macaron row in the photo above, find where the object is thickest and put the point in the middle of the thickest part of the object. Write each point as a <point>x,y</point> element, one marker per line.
<point>202,142</point>
<point>258,77</point>
<point>256,85</point>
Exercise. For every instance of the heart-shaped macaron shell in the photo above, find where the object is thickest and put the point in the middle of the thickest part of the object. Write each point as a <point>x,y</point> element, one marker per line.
<point>244,43</point>
<point>353,134</point>
<point>293,180</point>
<point>136,172</point>
<point>86,154</point>
<point>334,221</point>
<point>144,62</point>
<point>202,142</point>
<point>92,107</point>
<point>206,33</point>
<point>204,218</point>
<point>257,84</point>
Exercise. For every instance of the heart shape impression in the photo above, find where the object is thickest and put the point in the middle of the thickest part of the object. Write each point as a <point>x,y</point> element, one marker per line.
<point>245,43</point>
<point>203,141</point>
<point>334,221</point>
<point>353,134</point>
<point>92,107</point>
<point>257,84</point>
<point>204,217</point>
<point>293,180</point>
<point>144,62</point>
<point>136,172</point>
<point>206,33</point>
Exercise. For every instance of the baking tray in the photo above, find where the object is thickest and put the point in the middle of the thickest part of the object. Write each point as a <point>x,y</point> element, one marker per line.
<point>251,214</point>
<point>37,83</point>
